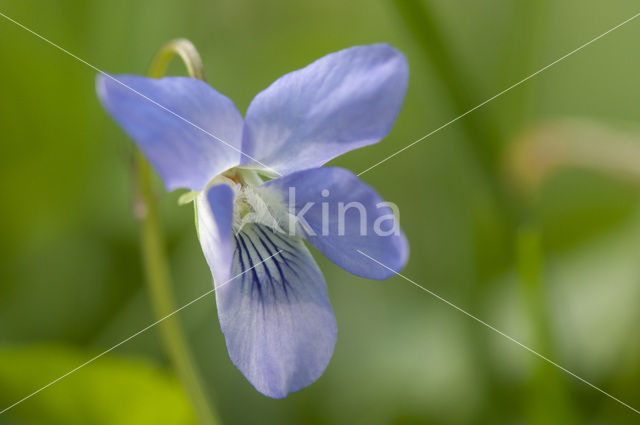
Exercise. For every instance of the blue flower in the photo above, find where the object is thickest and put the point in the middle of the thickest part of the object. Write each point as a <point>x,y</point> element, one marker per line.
<point>260,191</point>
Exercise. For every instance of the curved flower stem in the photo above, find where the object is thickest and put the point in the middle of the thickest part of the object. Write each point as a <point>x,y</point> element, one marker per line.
<point>187,53</point>
<point>155,259</point>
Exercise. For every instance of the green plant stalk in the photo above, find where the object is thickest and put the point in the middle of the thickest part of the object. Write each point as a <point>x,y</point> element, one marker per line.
<point>549,401</point>
<point>154,256</point>
<point>423,26</point>
<point>521,58</point>
<point>486,144</point>
<point>484,136</point>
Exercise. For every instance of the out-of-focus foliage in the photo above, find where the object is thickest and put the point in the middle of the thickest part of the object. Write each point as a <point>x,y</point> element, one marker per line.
<point>112,391</point>
<point>555,268</point>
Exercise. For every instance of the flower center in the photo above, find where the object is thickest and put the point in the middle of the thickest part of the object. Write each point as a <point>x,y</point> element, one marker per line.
<point>253,203</point>
<point>260,205</point>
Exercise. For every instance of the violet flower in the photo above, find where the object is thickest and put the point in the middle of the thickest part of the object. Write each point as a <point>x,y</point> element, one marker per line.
<point>259,192</point>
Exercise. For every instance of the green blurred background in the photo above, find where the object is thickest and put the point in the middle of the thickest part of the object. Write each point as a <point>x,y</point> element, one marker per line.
<point>529,223</point>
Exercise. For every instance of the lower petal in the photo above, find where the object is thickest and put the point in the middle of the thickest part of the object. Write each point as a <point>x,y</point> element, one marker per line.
<point>276,316</point>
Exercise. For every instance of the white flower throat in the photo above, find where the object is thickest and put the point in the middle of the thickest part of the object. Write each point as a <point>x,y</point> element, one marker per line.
<point>260,205</point>
<point>253,203</point>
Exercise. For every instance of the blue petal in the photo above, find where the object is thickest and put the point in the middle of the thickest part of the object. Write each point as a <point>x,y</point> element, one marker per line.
<point>276,317</point>
<point>343,101</point>
<point>372,229</point>
<point>188,131</point>
<point>214,208</point>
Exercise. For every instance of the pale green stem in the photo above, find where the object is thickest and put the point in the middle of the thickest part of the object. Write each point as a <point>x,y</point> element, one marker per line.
<point>155,259</point>
<point>187,53</point>
<point>548,401</point>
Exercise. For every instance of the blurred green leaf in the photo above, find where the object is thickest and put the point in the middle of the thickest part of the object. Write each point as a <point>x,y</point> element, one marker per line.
<point>109,391</point>
<point>591,300</point>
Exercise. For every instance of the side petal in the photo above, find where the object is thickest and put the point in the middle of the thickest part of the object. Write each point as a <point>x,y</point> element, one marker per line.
<point>339,214</point>
<point>187,130</point>
<point>214,209</point>
<point>276,316</point>
<point>343,101</point>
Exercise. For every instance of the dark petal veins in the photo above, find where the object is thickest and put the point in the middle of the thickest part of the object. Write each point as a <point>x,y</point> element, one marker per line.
<point>276,317</point>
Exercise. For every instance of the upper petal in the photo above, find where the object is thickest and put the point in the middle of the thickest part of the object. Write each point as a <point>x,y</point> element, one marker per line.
<point>275,315</point>
<point>343,101</point>
<point>187,130</point>
<point>341,215</point>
